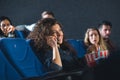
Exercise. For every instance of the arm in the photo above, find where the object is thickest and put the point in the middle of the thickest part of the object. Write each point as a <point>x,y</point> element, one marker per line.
<point>56,56</point>
<point>52,42</point>
<point>10,29</point>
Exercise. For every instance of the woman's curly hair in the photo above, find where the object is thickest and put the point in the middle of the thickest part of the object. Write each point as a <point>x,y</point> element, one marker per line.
<point>43,29</point>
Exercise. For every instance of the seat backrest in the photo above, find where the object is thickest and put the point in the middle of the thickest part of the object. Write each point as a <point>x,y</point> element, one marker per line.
<point>79,46</point>
<point>7,71</point>
<point>22,31</point>
<point>21,56</point>
<point>20,34</point>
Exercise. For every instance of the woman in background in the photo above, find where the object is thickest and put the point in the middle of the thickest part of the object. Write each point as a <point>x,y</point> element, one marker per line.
<point>7,29</point>
<point>97,49</point>
<point>97,53</point>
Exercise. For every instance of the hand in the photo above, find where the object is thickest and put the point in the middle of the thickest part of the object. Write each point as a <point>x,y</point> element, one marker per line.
<point>10,29</point>
<point>51,41</point>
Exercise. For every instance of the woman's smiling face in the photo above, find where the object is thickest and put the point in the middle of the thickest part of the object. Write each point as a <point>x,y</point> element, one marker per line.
<point>58,33</point>
<point>4,25</point>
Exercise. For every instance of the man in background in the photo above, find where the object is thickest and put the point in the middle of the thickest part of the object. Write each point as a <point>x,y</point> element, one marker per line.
<point>111,66</point>
<point>44,14</point>
<point>47,14</point>
<point>105,31</point>
<point>26,29</point>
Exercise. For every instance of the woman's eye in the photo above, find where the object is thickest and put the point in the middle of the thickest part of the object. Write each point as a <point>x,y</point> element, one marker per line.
<point>8,24</point>
<point>3,25</point>
<point>53,32</point>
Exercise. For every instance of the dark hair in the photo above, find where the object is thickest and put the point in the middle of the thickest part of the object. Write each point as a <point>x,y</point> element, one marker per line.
<point>1,19</point>
<point>5,18</point>
<point>105,22</point>
<point>48,12</point>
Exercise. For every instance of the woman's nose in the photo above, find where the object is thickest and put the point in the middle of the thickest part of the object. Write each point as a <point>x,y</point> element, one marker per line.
<point>94,36</point>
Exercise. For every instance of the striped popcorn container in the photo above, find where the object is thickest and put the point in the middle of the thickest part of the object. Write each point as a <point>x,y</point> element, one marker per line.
<point>90,58</point>
<point>93,58</point>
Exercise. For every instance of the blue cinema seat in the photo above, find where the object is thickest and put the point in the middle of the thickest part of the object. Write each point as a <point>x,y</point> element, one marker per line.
<point>7,71</point>
<point>21,56</point>
<point>59,75</point>
<point>20,34</point>
<point>79,46</point>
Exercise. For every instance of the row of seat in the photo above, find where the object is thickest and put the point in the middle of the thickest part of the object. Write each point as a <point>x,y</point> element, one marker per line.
<point>18,61</point>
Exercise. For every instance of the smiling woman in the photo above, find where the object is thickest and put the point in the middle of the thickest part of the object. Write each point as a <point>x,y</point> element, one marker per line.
<point>56,54</point>
<point>48,41</point>
<point>7,29</point>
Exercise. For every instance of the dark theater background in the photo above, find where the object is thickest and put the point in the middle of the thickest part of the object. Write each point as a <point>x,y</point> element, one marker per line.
<point>75,15</point>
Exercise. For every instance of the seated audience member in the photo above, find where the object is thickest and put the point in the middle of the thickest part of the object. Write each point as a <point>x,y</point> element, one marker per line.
<point>97,54</point>
<point>44,14</point>
<point>47,14</point>
<point>111,67</point>
<point>26,29</point>
<point>97,49</point>
<point>105,31</point>
<point>47,41</point>
<point>7,29</point>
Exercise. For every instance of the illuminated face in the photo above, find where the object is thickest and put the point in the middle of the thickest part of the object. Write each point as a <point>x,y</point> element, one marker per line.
<point>58,33</point>
<point>4,25</point>
<point>93,37</point>
<point>105,31</point>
